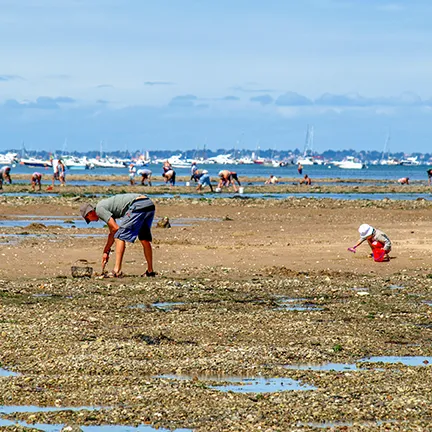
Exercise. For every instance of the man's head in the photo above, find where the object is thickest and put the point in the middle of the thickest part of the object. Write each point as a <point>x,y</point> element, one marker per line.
<point>7,170</point>
<point>204,171</point>
<point>88,213</point>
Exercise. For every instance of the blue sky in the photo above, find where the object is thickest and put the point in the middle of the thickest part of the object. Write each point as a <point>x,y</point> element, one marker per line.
<point>176,74</point>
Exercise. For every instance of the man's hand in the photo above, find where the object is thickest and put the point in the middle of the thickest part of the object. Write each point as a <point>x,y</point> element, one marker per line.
<point>105,259</point>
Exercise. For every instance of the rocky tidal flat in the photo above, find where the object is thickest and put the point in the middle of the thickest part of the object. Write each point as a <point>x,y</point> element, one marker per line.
<point>74,342</point>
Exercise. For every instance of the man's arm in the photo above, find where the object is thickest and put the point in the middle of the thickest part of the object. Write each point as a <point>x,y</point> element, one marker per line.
<point>113,228</point>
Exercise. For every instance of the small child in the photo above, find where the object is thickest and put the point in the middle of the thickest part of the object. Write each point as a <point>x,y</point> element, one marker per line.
<point>378,241</point>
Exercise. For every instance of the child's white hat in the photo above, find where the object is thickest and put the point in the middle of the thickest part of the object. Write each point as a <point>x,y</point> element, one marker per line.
<point>365,231</point>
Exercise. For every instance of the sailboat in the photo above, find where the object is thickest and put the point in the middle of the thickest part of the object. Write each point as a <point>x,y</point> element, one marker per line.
<point>100,162</point>
<point>389,160</point>
<point>32,161</point>
<point>308,158</point>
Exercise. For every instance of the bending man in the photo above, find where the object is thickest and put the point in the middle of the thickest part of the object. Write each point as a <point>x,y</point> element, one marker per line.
<point>128,216</point>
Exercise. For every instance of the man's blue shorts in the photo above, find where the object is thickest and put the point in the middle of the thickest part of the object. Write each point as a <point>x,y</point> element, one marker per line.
<point>137,221</point>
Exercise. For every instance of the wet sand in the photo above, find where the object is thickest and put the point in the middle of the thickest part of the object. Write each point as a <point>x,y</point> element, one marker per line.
<point>82,342</point>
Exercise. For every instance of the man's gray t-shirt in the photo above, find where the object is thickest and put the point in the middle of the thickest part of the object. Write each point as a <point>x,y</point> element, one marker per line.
<point>115,207</point>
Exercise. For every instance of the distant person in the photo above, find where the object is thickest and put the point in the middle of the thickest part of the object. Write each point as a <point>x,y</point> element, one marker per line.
<point>194,170</point>
<point>145,174</point>
<point>429,173</point>
<point>403,180</point>
<point>128,216</point>
<point>198,174</point>
<point>300,168</point>
<point>132,173</point>
<point>36,180</point>
<point>272,180</point>
<point>54,162</point>
<point>204,181</point>
<point>378,241</point>
<point>61,172</point>
<point>227,178</point>
<point>170,177</point>
<point>306,180</point>
<point>166,167</point>
<point>5,176</point>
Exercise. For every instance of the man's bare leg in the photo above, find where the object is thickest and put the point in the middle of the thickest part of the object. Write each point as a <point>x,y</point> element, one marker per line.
<point>120,247</point>
<point>148,254</point>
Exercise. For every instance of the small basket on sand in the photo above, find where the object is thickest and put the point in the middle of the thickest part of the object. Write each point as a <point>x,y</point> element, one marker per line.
<point>81,271</point>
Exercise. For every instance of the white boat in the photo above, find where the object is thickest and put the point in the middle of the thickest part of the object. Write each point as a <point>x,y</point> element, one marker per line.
<point>8,158</point>
<point>222,160</point>
<point>75,163</point>
<point>308,158</point>
<point>246,160</point>
<point>410,161</point>
<point>106,163</point>
<point>177,162</point>
<point>350,163</point>
<point>389,161</point>
<point>35,163</point>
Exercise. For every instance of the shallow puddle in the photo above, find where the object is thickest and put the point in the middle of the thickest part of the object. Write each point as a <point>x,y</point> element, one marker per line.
<point>247,385</point>
<point>6,410</point>
<point>339,367</point>
<point>25,221</point>
<point>428,302</point>
<point>396,287</point>
<point>71,222</point>
<point>102,428</point>
<point>6,373</point>
<point>165,306</point>
<point>295,304</point>
<point>51,236</point>
<point>407,360</point>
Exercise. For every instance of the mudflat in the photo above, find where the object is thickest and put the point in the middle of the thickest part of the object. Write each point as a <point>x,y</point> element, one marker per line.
<point>234,271</point>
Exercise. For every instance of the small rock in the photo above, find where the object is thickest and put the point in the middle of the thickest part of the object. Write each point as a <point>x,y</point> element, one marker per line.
<point>164,223</point>
<point>71,428</point>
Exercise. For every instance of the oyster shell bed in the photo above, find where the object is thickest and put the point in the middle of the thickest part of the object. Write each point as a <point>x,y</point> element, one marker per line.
<point>83,342</point>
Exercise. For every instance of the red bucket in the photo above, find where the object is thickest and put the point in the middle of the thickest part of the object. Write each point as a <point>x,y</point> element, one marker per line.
<point>379,255</point>
<point>377,245</point>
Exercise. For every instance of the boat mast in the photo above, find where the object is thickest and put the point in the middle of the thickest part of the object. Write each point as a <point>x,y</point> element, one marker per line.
<point>386,146</point>
<point>308,147</point>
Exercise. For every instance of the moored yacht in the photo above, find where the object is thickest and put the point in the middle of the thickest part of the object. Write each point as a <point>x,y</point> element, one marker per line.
<point>35,162</point>
<point>350,163</point>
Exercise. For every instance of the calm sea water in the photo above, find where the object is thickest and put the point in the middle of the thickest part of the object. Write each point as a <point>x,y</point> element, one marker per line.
<point>373,172</point>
